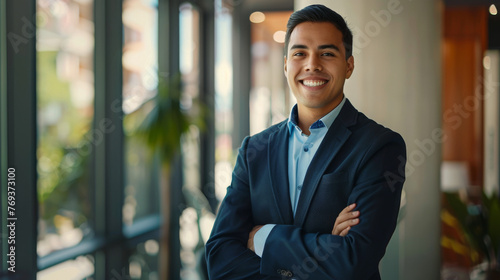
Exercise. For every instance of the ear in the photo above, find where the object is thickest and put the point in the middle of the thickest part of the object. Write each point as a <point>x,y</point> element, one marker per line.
<point>284,59</point>
<point>350,67</point>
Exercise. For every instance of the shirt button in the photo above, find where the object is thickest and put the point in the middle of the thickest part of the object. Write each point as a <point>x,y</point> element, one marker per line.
<point>299,187</point>
<point>306,149</point>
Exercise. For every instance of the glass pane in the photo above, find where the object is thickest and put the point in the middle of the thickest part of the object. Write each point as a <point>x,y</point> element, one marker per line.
<point>269,101</point>
<point>224,154</point>
<point>189,46</point>
<point>140,55</point>
<point>65,101</point>
<point>82,267</point>
<point>143,261</point>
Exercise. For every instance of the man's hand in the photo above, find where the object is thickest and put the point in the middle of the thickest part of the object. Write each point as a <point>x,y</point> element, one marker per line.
<point>345,220</point>
<point>250,237</point>
<point>343,223</point>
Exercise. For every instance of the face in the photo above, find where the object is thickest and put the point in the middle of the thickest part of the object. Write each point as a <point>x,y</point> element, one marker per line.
<point>316,67</point>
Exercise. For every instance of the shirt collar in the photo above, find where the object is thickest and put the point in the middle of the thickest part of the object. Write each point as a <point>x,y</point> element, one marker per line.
<point>326,121</point>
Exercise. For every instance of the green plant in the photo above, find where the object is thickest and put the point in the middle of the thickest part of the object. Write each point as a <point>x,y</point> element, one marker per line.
<point>167,121</point>
<point>480,223</point>
<point>162,128</point>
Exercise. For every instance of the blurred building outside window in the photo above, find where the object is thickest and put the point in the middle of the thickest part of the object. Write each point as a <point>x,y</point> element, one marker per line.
<point>143,261</point>
<point>140,81</point>
<point>66,138</point>
<point>82,267</point>
<point>225,156</point>
<point>189,64</point>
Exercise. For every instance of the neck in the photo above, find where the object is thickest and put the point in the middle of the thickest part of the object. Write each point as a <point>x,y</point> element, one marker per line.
<point>307,116</point>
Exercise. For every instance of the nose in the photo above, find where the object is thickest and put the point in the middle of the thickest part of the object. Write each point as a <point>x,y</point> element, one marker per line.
<point>313,64</point>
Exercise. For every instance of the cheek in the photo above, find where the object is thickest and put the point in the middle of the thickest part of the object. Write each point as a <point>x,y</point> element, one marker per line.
<point>289,73</point>
<point>292,70</point>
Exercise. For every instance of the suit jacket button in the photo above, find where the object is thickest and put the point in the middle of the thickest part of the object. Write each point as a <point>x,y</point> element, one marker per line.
<point>284,272</point>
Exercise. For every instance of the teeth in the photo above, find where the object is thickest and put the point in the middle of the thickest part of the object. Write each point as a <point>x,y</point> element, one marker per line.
<point>311,83</point>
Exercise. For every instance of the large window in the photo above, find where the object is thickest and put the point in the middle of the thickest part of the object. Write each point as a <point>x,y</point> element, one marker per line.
<point>141,203</point>
<point>65,96</point>
<point>195,207</point>
<point>76,92</point>
<point>225,155</point>
<point>140,79</point>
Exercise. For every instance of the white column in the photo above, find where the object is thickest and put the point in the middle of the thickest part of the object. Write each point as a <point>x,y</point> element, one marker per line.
<point>491,117</point>
<point>397,82</point>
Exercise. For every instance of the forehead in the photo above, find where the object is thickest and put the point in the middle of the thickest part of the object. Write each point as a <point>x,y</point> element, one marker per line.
<point>320,33</point>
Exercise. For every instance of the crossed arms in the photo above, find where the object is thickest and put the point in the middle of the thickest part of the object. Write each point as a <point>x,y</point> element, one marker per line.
<point>345,220</point>
<point>346,252</point>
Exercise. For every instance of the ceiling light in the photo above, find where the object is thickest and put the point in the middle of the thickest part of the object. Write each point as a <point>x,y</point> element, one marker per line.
<point>493,10</point>
<point>279,36</point>
<point>257,17</point>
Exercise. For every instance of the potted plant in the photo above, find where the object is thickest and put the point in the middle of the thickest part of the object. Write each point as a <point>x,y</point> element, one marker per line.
<point>480,225</point>
<point>162,128</point>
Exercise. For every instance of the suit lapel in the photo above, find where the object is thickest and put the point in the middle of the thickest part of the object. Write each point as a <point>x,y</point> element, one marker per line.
<point>336,136</point>
<point>278,159</point>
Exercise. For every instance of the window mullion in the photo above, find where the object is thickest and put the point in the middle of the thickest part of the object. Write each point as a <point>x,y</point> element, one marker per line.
<point>21,130</point>
<point>109,151</point>
<point>3,129</point>
<point>207,91</point>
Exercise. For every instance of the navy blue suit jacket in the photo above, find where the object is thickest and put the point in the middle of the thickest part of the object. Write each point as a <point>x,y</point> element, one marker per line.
<point>358,161</point>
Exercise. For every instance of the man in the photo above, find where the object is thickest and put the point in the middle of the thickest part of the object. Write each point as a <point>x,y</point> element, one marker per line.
<point>289,211</point>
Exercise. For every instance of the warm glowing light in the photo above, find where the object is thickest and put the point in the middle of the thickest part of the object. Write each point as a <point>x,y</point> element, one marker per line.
<point>279,36</point>
<point>152,247</point>
<point>136,15</point>
<point>136,57</point>
<point>487,63</point>
<point>135,270</point>
<point>493,10</point>
<point>79,268</point>
<point>257,17</point>
<point>79,42</point>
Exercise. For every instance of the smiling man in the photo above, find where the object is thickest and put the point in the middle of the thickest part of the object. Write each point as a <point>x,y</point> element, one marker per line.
<point>317,195</point>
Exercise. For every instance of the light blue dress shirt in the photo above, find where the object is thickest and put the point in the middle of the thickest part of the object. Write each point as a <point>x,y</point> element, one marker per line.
<point>301,150</point>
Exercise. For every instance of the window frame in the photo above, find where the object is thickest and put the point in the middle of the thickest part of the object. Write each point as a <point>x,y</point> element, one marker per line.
<point>3,126</point>
<point>18,137</point>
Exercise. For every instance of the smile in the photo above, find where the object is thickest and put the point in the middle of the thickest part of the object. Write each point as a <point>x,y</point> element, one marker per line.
<point>314,83</point>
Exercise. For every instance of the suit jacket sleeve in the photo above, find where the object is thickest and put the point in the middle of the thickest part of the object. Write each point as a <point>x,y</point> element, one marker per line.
<point>227,254</point>
<point>377,191</point>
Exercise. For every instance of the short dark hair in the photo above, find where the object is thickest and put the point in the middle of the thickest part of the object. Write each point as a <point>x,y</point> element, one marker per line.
<point>320,13</point>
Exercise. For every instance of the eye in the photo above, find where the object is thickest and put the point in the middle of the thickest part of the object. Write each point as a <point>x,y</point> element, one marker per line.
<point>298,54</point>
<point>328,54</point>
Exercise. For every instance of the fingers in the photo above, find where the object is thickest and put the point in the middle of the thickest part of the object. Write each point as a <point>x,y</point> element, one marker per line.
<point>346,224</point>
<point>345,231</point>
<point>346,215</point>
<point>346,219</point>
<point>349,208</point>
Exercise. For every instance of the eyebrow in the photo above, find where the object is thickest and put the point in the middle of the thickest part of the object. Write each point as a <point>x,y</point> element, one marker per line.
<point>322,47</point>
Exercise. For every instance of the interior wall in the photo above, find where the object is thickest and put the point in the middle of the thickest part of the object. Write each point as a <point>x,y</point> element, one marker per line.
<point>465,42</point>
<point>397,82</point>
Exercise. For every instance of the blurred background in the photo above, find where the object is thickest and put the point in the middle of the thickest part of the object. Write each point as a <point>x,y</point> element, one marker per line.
<point>122,119</point>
